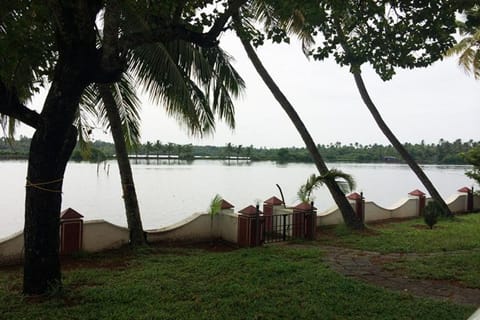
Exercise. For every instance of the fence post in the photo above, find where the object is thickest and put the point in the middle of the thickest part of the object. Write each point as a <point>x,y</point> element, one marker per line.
<point>269,207</point>
<point>71,231</point>
<point>469,203</point>
<point>470,200</point>
<point>421,200</point>
<point>249,226</point>
<point>311,223</point>
<point>359,204</point>
<point>257,225</point>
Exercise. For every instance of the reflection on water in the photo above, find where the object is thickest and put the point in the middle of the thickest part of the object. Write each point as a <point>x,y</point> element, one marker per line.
<point>169,192</point>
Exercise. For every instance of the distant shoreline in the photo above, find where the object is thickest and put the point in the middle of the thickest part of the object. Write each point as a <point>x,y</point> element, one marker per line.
<point>443,152</point>
<point>232,160</point>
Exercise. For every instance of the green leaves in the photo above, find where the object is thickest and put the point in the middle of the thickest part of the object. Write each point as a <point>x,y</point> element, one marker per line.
<point>473,157</point>
<point>386,34</point>
<point>215,206</point>
<point>314,181</point>
<point>193,83</point>
<point>27,48</point>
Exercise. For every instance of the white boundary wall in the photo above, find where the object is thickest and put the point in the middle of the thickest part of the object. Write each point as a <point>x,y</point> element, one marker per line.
<point>99,235</point>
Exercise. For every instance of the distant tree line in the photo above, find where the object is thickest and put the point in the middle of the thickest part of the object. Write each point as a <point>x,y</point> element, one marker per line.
<point>443,152</point>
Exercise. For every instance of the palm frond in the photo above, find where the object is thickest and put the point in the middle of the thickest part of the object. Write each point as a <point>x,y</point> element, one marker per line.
<point>314,181</point>
<point>129,109</point>
<point>215,205</point>
<point>83,133</point>
<point>193,83</point>
<point>8,124</point>
<point>305,191</point>
<point>164,81</point>
<point>292,22</point>
<point>86,118</point>
<point>340,175</point>
<point>226,84</point>
<point>468,50</point>
<point>128,106</point>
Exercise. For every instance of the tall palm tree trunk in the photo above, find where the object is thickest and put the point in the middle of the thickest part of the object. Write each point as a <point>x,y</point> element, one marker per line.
<point>351,220</point>
<point>396,144</point>
<point>132,210</point>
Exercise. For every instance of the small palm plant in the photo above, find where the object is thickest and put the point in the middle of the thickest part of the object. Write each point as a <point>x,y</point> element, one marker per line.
<point>304,194</point>
<point>214,209</point>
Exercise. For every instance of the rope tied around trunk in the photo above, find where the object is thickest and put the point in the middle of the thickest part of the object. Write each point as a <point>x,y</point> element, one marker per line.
<point>40,185</point>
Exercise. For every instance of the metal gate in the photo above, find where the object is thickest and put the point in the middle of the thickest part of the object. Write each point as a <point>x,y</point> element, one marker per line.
<point>288,226</point>
<point>256,228</point>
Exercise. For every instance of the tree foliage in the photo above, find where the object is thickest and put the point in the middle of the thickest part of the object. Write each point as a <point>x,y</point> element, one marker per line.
<point>64,46</point>
<point>344,180</point>
<point>472,156</point>
<point>386,34</point>
<point>468,48</point>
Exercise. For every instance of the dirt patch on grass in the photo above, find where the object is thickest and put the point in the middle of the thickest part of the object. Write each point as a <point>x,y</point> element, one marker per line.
<point>333,233</point>
<point>210,246</point>
<point>425,227</point>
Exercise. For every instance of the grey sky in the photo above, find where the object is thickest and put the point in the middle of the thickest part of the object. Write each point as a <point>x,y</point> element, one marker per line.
<point>437,102</point>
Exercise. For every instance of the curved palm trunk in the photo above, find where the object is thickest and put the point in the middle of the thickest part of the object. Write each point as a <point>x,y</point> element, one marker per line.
<point>396,144</point>
<point>346,209</point>
<point>134,221</point>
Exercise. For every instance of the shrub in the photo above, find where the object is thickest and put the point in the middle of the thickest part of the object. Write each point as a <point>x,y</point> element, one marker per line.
<point>431,213</point>
<point>472,156</point>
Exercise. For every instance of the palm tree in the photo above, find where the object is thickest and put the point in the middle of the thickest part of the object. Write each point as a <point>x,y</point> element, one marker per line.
<point>396,143</point>
<point>120,105</point>
<point>60,41</point>
<point>355,69</point>
<point>351,220</point>
<point>468,49</point>
<point>295,24</point>
<point>132,210</point>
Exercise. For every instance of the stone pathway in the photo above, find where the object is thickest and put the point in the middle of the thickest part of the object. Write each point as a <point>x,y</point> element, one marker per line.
<point>367,266</point>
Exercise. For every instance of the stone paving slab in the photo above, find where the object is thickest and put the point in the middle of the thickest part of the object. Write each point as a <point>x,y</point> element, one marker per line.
<point>367,266</point>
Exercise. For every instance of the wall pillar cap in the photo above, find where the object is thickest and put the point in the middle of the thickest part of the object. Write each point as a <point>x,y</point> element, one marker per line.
<point>250,211</point>
<point>417,193</point>
<point>273,201</point>
<point>70,214</point>
<point>226,205</point>
<point>355,196</point>
<point>304,206</point>
<point>464,190</point>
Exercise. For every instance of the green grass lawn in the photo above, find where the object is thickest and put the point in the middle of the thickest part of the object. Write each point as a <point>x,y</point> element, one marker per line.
<point>448,236</point>
<point>462,267</point>
<point>460,233</point>
<point>166,283</point>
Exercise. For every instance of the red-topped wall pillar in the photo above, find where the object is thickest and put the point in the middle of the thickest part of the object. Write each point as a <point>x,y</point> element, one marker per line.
<point>469,192</point>
<point>304,221</point>
<point>250,227</point>
<point>359,204</point>
<point>268,209</point>
<point>421,200</point>
<point>71,231</point>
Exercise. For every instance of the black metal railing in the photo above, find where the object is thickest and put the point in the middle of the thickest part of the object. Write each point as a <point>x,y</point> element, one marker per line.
<point>285,227</point>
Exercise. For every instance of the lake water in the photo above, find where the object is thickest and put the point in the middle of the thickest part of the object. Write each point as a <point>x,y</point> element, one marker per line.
<point>170,192</point>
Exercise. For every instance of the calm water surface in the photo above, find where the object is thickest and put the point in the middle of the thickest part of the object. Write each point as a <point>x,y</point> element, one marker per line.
<point>170,192</point>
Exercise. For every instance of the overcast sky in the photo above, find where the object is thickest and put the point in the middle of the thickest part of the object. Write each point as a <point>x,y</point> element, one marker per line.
<point>422,104</point>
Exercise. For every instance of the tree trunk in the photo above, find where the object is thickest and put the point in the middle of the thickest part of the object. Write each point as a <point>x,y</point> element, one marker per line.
<point>396,144</point>
<point>134,221</point>
<point>349,216</point>
<point>50,148</point>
